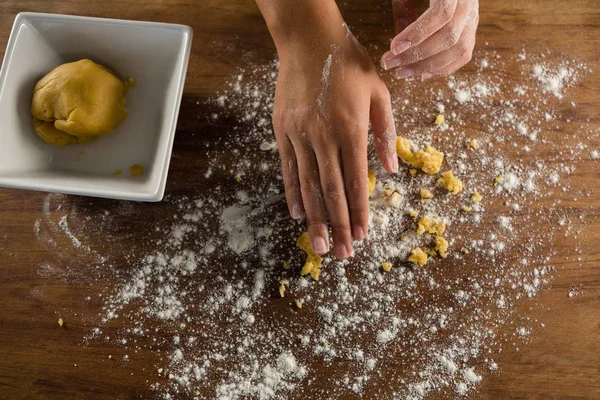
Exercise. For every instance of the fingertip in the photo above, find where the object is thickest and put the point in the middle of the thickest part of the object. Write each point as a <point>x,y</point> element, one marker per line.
<point>342,250</point>
<point>320,244</point>
<point>296,211</point>
<point>358,232</point>
<point>394,164</point>
<point>400,47</point>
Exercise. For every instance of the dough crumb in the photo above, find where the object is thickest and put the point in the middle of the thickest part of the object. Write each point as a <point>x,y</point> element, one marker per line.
<point>428,160</point>
<point>299,304</point>
<point>450,182</point>
<point>136,170</point>
<point>418,256</point>
<point>473,144</point>
<point>426,194</point>
<point>386,266</point>
<point>413,213</point>
<point>393,198</point>
<point>282,288</point>
<point>466,209</point>
<point>313,262</point>
<point>118,172</point>
<point>441,246</point>
<point>439,119</point>
<point>431,226</point>
<point>476,197</point>
<point>413,171</point>
<point>61,322</point>
<point>372,181</point>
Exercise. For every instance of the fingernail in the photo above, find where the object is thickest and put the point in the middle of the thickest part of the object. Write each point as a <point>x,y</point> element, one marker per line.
<point>297,212</point>
<point>359,232</point>
<point>400,47</point>
<point>390,63</point>
<point>319,245</point>
<point>394,164</point>
<point>341,251</point>
<point>426,76</point>
<point>403,73</point>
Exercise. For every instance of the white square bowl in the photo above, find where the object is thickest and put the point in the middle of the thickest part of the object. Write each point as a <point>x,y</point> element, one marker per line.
<point>154,54</point>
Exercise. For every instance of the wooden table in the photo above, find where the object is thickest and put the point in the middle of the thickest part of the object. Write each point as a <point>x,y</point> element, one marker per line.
<point>37,359</point>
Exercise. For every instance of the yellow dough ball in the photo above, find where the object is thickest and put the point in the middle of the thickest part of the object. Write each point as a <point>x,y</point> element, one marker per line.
<point>80,99</point>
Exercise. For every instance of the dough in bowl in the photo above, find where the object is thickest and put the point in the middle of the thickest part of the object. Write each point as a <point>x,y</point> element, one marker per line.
<point>76,102</point>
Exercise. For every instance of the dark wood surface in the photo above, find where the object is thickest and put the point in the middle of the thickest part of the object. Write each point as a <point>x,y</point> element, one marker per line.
<point>37,359</point>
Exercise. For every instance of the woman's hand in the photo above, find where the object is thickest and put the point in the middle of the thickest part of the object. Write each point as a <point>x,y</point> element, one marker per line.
<point>438,43</point>
<point>327,92</point>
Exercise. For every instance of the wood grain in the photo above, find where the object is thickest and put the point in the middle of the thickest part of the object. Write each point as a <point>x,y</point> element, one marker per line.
<point>39,361</point>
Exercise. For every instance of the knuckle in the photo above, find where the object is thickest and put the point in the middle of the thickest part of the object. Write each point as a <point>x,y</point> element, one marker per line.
<point>310,188</point>
<point>315,223</point>
<point>333,193</point>
<point>453,36</point>
<point>347,123</point>
<point>384,93</point>
<point>445,11</point>
<point>340,228</point>
<point>359,214</point>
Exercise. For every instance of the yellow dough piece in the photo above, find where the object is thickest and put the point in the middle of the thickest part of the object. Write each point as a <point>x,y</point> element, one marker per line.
<point>476,197</point>
<point>450,182</point>
<point>418,256</point>
<point>313,262</point>
<point>430,225</point>
<point>372,181</point>
<point>79,99</point>
<point>50,134</point>
<point>386,266</point>
<point>136,170</point>
<point>426,194</point>
<point>428,160</point>
<point>441,246</point>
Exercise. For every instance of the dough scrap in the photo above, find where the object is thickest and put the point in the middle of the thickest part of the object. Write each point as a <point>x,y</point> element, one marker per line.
<point>428,160</point>
<point>441,246</point>
<point>430,225</point>
<point>313,261</point>
<point>450,182</point>
<point>418,256</point>
<point>371,181</point>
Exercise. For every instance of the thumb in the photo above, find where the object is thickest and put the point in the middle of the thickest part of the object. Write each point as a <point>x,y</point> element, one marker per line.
<point>384,129</point>
<point>404,12</point>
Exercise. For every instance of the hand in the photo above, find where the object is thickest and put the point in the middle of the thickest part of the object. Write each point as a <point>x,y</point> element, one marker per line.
<point>327,91</point>
<point>438,43</point>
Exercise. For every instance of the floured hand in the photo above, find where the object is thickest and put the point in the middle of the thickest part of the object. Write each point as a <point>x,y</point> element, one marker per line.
<point>327,92</point>
<point>438,43</point>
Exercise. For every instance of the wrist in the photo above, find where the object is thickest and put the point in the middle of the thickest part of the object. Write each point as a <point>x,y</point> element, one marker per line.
<point>310,28</point>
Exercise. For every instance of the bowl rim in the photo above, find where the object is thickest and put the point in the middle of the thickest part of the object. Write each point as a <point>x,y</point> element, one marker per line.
<point>157,192</point>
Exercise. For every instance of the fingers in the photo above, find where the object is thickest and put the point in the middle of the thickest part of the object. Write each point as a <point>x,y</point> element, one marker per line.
<point>443,63</point>
<point>404,14</point>
<point>441,40</point>
<point>452,67</point>
<point>354,162</point>
<point>310,188</point>
<point>384,129</point>
<point>437,15</point>
<point>334,196</point>
<point>291,182</point>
